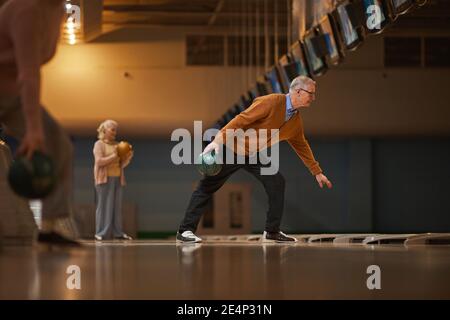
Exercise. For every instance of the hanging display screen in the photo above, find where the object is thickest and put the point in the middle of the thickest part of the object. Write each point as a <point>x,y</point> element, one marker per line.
<point>401,6</point>
<point>333,50</point>
<point>349,34</point>
<point>298,57</point>
<point>253,93</point>
<point>376,15</point>
<point>272,77</point>
<point>316,64</point>
<point>288,70</point>
<point>261,86</point>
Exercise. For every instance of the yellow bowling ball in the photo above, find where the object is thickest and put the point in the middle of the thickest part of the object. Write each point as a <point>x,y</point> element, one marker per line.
<point>123,149</point>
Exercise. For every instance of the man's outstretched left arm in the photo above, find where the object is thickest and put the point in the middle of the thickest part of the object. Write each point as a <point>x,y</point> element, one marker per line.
<point>303,150</point>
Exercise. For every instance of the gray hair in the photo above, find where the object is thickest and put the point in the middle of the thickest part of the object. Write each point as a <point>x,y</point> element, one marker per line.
<point>105,124</point>
<point>301,82</point>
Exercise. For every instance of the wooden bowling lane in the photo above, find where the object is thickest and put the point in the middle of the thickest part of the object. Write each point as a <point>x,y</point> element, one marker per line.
<point>214,270</point>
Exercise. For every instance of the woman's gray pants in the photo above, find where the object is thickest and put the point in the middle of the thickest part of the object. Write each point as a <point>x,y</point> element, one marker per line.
<point>108,216</point>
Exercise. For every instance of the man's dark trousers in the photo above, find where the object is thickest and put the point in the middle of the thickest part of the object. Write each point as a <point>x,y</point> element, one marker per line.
<point>273,184</point>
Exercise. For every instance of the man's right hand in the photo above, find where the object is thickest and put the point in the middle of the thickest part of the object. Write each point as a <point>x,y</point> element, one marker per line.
<point>31,142</point>
<point>210,147</point>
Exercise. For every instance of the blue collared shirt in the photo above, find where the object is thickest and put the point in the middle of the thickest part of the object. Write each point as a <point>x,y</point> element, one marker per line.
<point>290,111</point>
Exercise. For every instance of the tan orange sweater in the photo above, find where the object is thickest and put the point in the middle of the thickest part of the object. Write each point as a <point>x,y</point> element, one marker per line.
<point>269,112</point>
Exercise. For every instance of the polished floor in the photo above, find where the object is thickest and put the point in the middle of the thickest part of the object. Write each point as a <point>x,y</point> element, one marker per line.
<point>224,270</point>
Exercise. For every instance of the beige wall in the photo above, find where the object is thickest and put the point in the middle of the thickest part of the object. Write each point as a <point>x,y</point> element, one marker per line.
<point>85,84</point>
<point>360,97</point>
<point>377,102</point>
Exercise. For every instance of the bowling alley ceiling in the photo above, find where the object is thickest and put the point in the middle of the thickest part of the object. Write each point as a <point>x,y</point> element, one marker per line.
<point>185,12</point>
<point>226,13</point>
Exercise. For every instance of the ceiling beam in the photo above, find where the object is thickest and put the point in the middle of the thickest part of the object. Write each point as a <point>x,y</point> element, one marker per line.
<point>156,7</point>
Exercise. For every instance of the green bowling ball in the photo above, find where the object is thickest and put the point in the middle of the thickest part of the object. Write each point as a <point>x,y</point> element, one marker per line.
<point>32,179</point>
<point>207,164</point>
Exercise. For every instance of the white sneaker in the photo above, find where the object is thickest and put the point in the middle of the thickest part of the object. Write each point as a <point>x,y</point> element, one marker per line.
<point>98,238</point>
<point>187,236</point>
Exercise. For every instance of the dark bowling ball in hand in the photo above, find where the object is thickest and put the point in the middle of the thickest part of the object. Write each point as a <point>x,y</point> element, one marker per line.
<point>207,164</point>
<point>32,179</point>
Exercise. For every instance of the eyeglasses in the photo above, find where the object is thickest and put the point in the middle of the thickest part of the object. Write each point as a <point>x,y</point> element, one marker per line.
<point>311,93</point>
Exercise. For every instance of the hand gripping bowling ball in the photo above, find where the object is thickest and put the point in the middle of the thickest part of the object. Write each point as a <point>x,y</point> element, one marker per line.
<point>207,164</point>
<point>123,149</point>
<point>32,179</point>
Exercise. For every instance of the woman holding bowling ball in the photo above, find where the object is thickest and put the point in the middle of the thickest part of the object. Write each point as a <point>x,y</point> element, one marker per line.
<point>111,158</point>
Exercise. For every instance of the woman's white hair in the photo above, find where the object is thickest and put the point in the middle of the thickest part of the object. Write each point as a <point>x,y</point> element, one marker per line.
<point>301,82</point>
<point>102,127</point>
